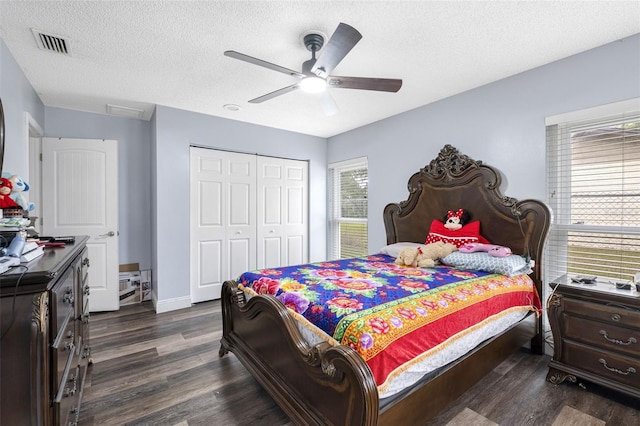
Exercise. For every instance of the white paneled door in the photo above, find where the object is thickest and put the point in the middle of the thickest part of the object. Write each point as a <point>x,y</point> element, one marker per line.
<point>247,212</point>
<point>282,212</point>
<point>223,219</point>
<point>80,197</point>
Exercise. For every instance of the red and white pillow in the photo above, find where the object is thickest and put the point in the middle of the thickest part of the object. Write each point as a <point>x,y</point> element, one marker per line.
<point>469,233</point>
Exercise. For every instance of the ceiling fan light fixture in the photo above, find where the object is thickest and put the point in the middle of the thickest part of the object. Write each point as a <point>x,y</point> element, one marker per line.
<point>313,84</point>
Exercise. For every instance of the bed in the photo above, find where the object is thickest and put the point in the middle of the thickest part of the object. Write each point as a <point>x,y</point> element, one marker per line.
<point>325,382</point>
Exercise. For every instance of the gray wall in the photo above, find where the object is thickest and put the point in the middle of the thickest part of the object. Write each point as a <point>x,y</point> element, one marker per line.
<point>17,97</point>
<point>501,124</point>
<point>134,172</point>
<point>177,130</point>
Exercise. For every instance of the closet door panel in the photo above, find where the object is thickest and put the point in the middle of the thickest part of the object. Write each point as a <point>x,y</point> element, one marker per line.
<point>241,213</point>
<point>240,257</point>
<point>295,250</point>
<point>270,221</point>
<point>295,206</point>
<point>272,248</point>
<point>271,206</point>
<point>209,257</point>
<point>223,227</point>
<point>282,213</point>
<point>207,224</point>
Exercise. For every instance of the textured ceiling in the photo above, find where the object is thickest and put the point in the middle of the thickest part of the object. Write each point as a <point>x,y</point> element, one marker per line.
<point>139,54</point>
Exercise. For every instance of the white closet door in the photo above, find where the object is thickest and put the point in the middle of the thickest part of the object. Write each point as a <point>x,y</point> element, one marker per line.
<point>223,219</point>
<point>282,232</point>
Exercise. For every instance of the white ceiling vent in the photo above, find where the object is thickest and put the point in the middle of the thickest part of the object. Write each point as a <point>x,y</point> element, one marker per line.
<point>122,111</point>
<point>51,42</point>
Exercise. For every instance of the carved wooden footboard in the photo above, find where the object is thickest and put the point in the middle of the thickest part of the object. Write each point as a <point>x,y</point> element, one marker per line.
<point>324,385</point>
<point>314,385</point>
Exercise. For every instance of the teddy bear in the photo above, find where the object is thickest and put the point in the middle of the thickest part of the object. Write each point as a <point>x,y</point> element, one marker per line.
<point>19,186</point>
<point>5,194</point>
<point>426,255</point>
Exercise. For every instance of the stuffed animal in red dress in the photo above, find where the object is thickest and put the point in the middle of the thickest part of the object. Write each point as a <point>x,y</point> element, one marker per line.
<point>5,194</point>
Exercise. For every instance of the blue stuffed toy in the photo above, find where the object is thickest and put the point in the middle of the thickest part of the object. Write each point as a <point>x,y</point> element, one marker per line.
<point>19,186</point>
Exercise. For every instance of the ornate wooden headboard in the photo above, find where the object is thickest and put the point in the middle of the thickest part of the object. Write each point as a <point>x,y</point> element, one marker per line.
<point>452,181</point>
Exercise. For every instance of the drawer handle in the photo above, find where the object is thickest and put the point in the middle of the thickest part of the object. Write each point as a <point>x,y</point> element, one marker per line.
<point>85,262</point>
<point>615,317</point>
<point>630,370</point>
<point>629,341</point>
<point>71,391</point>
<point>68,297</point>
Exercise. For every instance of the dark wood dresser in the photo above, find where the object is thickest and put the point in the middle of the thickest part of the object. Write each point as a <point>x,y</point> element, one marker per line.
<point>44,352</point>
<point>596,335</point>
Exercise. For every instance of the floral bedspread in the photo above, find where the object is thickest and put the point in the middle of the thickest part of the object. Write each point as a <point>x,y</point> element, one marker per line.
<point>392,315</point>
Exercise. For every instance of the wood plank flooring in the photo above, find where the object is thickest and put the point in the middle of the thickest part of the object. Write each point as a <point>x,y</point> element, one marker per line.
<point>164,369</point>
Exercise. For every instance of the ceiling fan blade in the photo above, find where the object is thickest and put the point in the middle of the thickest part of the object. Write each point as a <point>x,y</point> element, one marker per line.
<point>272,95</point>
<point>364,83</point>
<point>329,105</point>
<point>261,63</point>
<point>340,43</point>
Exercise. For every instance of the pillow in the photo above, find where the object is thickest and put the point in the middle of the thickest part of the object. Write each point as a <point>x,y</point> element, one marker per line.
<point>395,249</point>
<point>469,233</point>
<point>482,261</point>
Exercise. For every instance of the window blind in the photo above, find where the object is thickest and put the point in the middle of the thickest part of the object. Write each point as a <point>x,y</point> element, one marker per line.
<point>348,208</point>
<point>593,168</point>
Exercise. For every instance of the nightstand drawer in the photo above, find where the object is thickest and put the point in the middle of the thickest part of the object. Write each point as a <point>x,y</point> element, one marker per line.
<point>616,367</point>
<point>604,335</point>
<point>605,312</point>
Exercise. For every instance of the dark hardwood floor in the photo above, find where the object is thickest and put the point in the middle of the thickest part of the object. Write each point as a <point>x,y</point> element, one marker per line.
<point>164,369</point>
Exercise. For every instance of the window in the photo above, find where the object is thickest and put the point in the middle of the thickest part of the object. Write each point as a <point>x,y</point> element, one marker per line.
<point>348,208</point>
<point>593,167</point>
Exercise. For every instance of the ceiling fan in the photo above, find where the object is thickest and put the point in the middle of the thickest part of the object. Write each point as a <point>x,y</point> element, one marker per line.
<point>315,75</point>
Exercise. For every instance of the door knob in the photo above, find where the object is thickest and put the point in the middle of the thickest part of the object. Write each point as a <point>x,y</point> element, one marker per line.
<point>108,234</point>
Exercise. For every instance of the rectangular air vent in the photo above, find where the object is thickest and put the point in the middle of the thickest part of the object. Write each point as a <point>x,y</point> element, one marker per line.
<point>122,111</point>
<point>51,42</point>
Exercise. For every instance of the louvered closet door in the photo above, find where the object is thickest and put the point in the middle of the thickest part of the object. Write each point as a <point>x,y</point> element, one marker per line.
<point>223,219</point>
<point>282,212</point>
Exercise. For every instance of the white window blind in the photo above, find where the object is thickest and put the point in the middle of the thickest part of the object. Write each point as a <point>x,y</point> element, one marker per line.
<point>593,168</point>
<point>348,208</point>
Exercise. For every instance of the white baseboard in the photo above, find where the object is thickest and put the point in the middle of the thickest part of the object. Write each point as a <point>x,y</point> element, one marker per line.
<point>172,304</point>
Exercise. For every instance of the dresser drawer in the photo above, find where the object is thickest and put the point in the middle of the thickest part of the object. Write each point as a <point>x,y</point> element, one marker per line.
<point>605,312</point>
<point>67,402</point>
<point>85,290</point>
<point>62,299</point>
<point>616,367</point>
<point>64,347</point>
<point>604,335</point>
<point>83,329</point>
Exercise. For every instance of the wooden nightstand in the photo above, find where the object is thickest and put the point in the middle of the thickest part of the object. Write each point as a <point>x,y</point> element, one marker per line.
<point>596,335</point>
